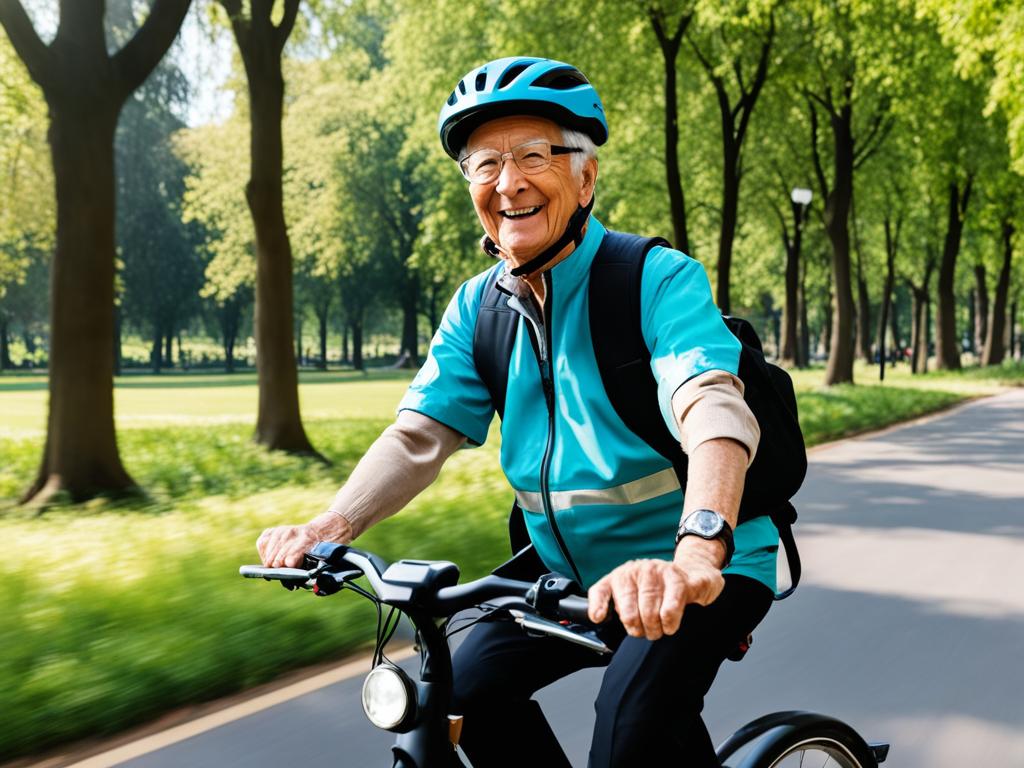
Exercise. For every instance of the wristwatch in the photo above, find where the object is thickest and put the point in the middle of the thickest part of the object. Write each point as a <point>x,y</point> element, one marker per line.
<point>709,525</point>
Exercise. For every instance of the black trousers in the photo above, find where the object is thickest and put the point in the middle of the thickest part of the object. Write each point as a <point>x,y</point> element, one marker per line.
<point>652,694</point>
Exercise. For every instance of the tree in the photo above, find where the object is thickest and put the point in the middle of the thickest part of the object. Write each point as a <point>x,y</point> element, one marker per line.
<point>261,44</point>
<point>853,66</point>
<point>892,244</point>
<point>85,88</point>
<point>215,204</point>
<point>163,268</point>
<point>730,41</point>
<point>960,146</point>
<point>999,210</point>
<point>988,36</point>
<point>995,343</point>
<point>669,28</point>
<point>26,202</point>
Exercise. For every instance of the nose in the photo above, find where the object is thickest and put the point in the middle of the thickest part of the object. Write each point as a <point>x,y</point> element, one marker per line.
<point>511,180</point>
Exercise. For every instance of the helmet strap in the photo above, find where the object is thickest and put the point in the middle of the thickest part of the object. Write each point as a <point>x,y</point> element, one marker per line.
<point>573,234</point>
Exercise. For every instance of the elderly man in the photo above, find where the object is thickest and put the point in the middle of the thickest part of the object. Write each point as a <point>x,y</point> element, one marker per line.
<point>686,580</point>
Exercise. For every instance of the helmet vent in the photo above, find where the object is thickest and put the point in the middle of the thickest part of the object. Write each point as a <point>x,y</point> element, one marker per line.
<point>452,99</point>
<point>512,73</point>
<point>462,87</point>
<point>561,80</point>
<point>481,81</point>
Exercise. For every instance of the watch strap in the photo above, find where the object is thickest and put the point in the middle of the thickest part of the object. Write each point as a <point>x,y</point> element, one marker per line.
<point>725,534</point>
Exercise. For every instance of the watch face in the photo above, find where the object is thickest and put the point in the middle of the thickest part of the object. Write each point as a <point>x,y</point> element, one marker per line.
<point>704,523</point>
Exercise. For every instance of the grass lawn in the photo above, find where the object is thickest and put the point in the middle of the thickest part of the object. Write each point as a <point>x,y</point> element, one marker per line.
<point>115,613</point>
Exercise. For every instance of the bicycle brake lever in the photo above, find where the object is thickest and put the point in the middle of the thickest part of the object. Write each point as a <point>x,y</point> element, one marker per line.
<point>587,639</point>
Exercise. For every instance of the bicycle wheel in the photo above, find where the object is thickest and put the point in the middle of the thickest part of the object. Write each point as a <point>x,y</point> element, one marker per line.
<point>800,740</point>
<point>815,752</point>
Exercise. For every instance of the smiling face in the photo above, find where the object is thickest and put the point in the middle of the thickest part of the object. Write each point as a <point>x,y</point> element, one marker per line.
<point>525,214</point>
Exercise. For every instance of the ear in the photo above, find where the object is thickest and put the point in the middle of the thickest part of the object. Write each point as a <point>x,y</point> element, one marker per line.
<point>589,177</point>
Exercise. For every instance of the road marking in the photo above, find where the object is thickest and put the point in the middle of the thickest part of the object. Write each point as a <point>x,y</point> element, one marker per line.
<point>206,723</point>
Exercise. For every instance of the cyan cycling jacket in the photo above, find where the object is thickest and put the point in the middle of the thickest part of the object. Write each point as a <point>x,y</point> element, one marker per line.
<point>588,486</point>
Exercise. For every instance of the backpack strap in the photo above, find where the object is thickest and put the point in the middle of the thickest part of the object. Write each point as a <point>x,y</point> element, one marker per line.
<point>784,519</point>
<point>493,339</point>
<point>623,360</point>
<point>622,356</point>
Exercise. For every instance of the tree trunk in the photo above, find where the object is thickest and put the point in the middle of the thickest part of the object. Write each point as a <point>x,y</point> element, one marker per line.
<point>972,323</point>
<point>920,322</point>
<point>891,243</point>
<point>898,347</point>
<point>863,321</point>
<point>278,423</point>
<point>1014,336</point>
<point>981,309</point>
<point>230,320</point>
<point>357,343</point>
<point>5,345</point>
<point>995,349</point>
<point>229,351</point>
<point>169,349</point>
<point>827,326</point>
<point>344,343</point>
<point>918,332</point>
<point>727,230</point>
<point>155,358</point>
<point>322,319</point>
<point>670,53</point>
<point>410,315</point>
<point>947,352</point>
<point>81,455</point>
<point>837,212</point>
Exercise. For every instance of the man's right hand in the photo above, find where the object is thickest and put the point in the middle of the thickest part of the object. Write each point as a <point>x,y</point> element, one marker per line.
<point>285,545</point>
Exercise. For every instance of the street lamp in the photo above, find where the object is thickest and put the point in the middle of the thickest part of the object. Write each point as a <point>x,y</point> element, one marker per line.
<point>801,196</point>
<point>795,343</point>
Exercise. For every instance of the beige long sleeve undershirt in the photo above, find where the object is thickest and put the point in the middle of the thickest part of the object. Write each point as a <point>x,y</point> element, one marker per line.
<point>408,455</point>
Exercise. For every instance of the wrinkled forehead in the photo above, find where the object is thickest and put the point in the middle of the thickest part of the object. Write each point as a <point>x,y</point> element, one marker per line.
<point>507,132</point>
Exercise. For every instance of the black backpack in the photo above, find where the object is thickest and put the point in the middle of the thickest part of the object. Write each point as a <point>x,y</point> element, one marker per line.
<point>623,359</point>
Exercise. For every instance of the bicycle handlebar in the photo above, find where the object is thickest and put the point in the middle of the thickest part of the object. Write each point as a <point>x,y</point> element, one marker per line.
<point>280,574</point>
<point>439,602</point>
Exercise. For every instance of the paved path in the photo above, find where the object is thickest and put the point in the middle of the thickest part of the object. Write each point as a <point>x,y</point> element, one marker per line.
<point>909,623</point>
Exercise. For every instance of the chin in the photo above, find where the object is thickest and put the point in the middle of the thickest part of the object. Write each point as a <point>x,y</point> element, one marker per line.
<point>523,248</point>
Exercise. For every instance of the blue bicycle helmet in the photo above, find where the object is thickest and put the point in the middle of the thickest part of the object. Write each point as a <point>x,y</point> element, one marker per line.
<point>521,86</point>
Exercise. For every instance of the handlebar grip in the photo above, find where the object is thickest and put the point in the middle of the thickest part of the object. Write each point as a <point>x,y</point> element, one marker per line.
<point>574,608</point>
<point>283,574</point>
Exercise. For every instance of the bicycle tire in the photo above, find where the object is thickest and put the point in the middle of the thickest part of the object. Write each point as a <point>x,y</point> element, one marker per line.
<point>780,737</point>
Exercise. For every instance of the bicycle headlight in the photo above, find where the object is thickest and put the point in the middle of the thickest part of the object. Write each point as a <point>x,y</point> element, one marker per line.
<point>389,697</point>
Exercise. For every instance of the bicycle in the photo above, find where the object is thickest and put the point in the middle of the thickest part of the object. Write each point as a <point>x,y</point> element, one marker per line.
<point>428,592</point>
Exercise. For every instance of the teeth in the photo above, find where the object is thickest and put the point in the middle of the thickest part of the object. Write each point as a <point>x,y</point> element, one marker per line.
<point>521,211</point>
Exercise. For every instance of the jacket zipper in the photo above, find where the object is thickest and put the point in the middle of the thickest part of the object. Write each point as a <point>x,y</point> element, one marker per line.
<point>543,349</point>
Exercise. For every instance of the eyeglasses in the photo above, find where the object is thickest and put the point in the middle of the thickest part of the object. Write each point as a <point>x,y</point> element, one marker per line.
<point>484,166</point>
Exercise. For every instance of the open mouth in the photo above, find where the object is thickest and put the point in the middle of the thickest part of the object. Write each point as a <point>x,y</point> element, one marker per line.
<point>521,213</point>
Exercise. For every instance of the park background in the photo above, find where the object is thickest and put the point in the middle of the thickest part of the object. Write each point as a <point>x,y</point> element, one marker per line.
<point>160,327</point>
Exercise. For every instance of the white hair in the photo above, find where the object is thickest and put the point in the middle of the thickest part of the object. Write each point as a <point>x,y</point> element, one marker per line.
<point>579,140</point>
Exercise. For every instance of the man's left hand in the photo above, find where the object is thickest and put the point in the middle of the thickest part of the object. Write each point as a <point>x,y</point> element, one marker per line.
<point>651,595</point>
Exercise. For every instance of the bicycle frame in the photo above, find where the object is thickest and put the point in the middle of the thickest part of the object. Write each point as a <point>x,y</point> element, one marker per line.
<point>426,592</point>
